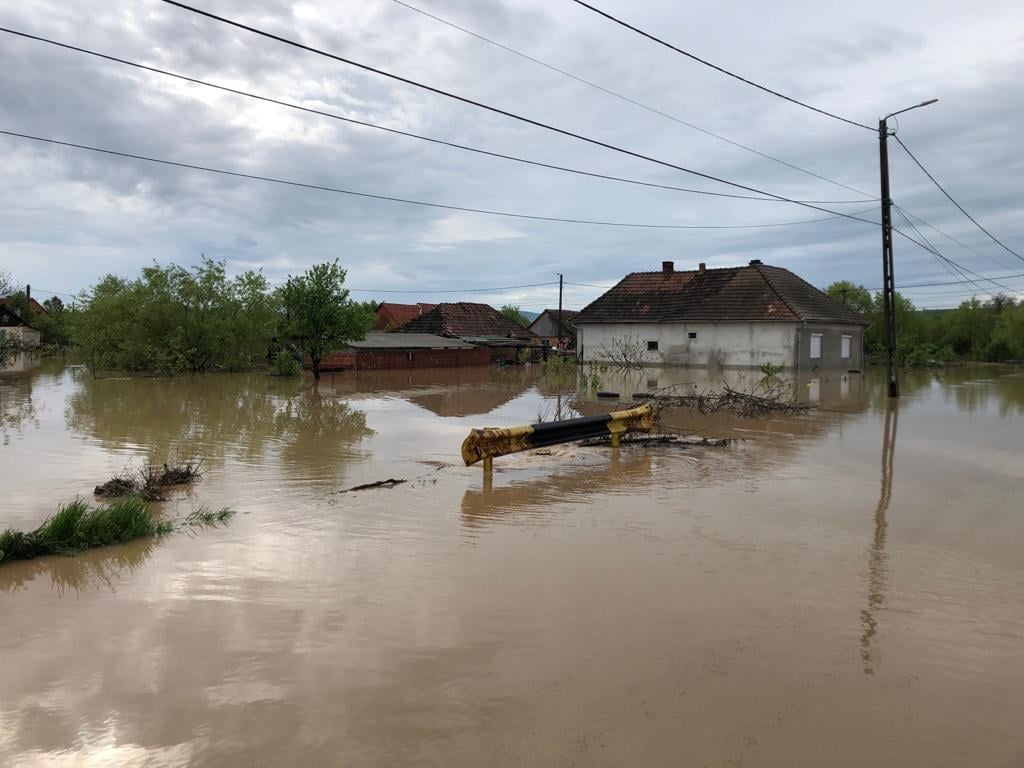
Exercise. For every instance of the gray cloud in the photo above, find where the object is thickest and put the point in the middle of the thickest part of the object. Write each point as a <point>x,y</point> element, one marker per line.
<point>66,217</point>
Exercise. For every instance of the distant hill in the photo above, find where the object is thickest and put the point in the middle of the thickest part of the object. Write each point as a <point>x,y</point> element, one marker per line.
<point>531,316</point>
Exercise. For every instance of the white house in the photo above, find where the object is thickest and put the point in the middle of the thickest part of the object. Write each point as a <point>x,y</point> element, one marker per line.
<point>16,329</point>
<point>733,317</point>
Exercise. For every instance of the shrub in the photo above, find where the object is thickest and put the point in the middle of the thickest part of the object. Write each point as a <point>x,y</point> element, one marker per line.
<point>285,364</point>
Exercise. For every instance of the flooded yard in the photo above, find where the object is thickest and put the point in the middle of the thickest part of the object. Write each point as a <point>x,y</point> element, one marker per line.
<point>841,587</point>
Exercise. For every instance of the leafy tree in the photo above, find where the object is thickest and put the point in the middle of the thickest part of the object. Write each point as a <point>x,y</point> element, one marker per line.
<point>6,283</point>
<point>318,316</point>
<point>511,311</point>
<point>854,296</point>
<point>176,320</point>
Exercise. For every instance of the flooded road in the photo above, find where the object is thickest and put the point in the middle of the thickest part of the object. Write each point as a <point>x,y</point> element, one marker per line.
<point>840,588</point>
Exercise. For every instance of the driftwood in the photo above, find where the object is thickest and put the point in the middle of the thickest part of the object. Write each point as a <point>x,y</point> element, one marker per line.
<point>647,441</point>
<point>389,483</point>
<point>728,400</point>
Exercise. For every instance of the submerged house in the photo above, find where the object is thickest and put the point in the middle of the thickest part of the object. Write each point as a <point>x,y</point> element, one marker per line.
<point>16,329</point>
<point>732,317</point>
<point>548,329</point>
<point>391,316</point>
<point>478,324</point>
<point>389,351</point>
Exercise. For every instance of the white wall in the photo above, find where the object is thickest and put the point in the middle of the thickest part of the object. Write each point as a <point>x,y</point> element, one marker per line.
<point>30,337</point>
<point>717,344</point>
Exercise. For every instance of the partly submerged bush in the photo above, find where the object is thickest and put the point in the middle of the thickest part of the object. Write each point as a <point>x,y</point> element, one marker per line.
<point>79,526</point>
<point>285,364</point>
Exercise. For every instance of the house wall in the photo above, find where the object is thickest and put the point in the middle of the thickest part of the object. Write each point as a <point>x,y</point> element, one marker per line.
<point>831,347</point>
<point>717,344</point>
<point>403,359</point>
<point>30,337</point>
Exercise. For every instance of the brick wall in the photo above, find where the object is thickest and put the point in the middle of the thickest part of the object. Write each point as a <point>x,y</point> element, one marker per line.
<point>403,359</point>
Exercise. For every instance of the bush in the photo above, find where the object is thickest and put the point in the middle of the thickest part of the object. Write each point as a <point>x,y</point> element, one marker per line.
<point>285,364</point>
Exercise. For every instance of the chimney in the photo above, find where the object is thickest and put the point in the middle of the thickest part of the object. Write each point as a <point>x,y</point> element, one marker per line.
<point>668,267</point>
<point>702,267</point>
<point>755,262</point>
<point>28,293</point>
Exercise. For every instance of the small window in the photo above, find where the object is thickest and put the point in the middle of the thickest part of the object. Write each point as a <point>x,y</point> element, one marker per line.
<point>844,347</point>
<point>692,334</point>
<point>815,346</point>
<point>652,346</point>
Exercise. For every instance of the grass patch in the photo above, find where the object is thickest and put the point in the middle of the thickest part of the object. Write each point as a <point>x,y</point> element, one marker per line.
<point>152,481</point>
<point>79,526</point>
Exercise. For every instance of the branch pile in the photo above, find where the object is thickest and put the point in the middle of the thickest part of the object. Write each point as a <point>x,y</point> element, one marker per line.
<point>727,400</point>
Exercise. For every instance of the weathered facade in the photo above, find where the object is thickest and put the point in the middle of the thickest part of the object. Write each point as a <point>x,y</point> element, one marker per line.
<point>734,317</point>
<point>16,329</point>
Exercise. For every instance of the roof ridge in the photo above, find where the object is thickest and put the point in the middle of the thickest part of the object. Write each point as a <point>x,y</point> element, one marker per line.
<point>799,316</point>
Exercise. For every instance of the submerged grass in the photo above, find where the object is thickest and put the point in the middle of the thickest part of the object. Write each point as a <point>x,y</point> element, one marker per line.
<point>79,526</point>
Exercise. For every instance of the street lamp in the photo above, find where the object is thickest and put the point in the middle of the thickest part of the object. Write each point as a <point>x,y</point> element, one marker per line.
<point>888,280</point>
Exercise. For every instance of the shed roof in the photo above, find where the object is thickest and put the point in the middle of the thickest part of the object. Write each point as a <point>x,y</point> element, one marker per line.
<point>753,293</point>
<point>381,340</point>
<point>465,319</point>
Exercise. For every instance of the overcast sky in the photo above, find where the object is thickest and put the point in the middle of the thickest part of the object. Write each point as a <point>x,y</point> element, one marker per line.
<point>67,216</point>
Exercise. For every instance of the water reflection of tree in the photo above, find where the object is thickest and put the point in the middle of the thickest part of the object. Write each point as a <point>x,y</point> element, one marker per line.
<point>97,568</point>
<point>316,429</point>
<point>17,411</point>
<point>878,559</point>
<point>218,415</point>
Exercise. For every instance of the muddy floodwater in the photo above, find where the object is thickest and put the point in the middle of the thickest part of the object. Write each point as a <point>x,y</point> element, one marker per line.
<point>838,588</point>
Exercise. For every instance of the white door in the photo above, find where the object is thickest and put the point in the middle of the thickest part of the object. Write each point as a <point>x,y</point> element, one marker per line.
<point>815,346</point>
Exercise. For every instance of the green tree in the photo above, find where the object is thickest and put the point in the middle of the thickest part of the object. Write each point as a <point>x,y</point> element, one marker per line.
<point>854,296</point>
<point>318,316</point>
<point>511,311</point>
<point>175,320</point>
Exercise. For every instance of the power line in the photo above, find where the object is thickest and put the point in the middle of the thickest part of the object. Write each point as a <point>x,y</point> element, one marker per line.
<point>408,201</point>
<point>954,282</point>
<point>635,102</point>
<point>954,202</point>
<point>442,142</point>
<point>946,262</point>
<point>717,68</point>
<point>952,239</point>
<point>499,111</point>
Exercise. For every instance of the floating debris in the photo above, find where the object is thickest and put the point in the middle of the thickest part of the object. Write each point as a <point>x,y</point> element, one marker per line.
<point>389,483</point>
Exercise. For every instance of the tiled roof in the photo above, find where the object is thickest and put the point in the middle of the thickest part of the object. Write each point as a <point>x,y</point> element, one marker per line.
<point>754,293</point>
<point>392,316</point>
<point>465,319</point>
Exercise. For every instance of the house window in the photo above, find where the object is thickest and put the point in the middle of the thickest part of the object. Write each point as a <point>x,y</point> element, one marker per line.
<point>652,346</point>
<point>692,334</point>
<point>815,346</point>
<point>844,347</point>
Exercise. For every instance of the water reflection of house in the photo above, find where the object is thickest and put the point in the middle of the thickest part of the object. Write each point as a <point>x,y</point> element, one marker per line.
<point>478,324</point>
<point>733,317</point>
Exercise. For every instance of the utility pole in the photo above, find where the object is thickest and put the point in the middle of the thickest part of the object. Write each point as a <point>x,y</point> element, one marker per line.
<point>892,363</point>
<point>560,283</point>
<point>892,366</point>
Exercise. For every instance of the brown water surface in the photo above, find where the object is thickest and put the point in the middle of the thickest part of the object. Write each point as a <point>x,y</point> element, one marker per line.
<point>841,588</point>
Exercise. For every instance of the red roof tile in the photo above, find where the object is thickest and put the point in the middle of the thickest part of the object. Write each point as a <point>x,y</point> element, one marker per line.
<point>464,319</point>
<point>391,317</point>
<point>754,293</point>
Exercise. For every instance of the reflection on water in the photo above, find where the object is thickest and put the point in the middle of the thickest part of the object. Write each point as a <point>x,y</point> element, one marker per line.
<point>877,560</point>
<point>589,607</point>
<point>97,568</point>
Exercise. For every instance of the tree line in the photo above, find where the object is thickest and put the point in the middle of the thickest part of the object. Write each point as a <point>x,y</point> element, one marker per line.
<point>990,330</point>
<point>173,319</point>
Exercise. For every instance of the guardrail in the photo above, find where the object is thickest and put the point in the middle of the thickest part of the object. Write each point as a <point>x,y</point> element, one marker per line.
<point>484,444</point>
